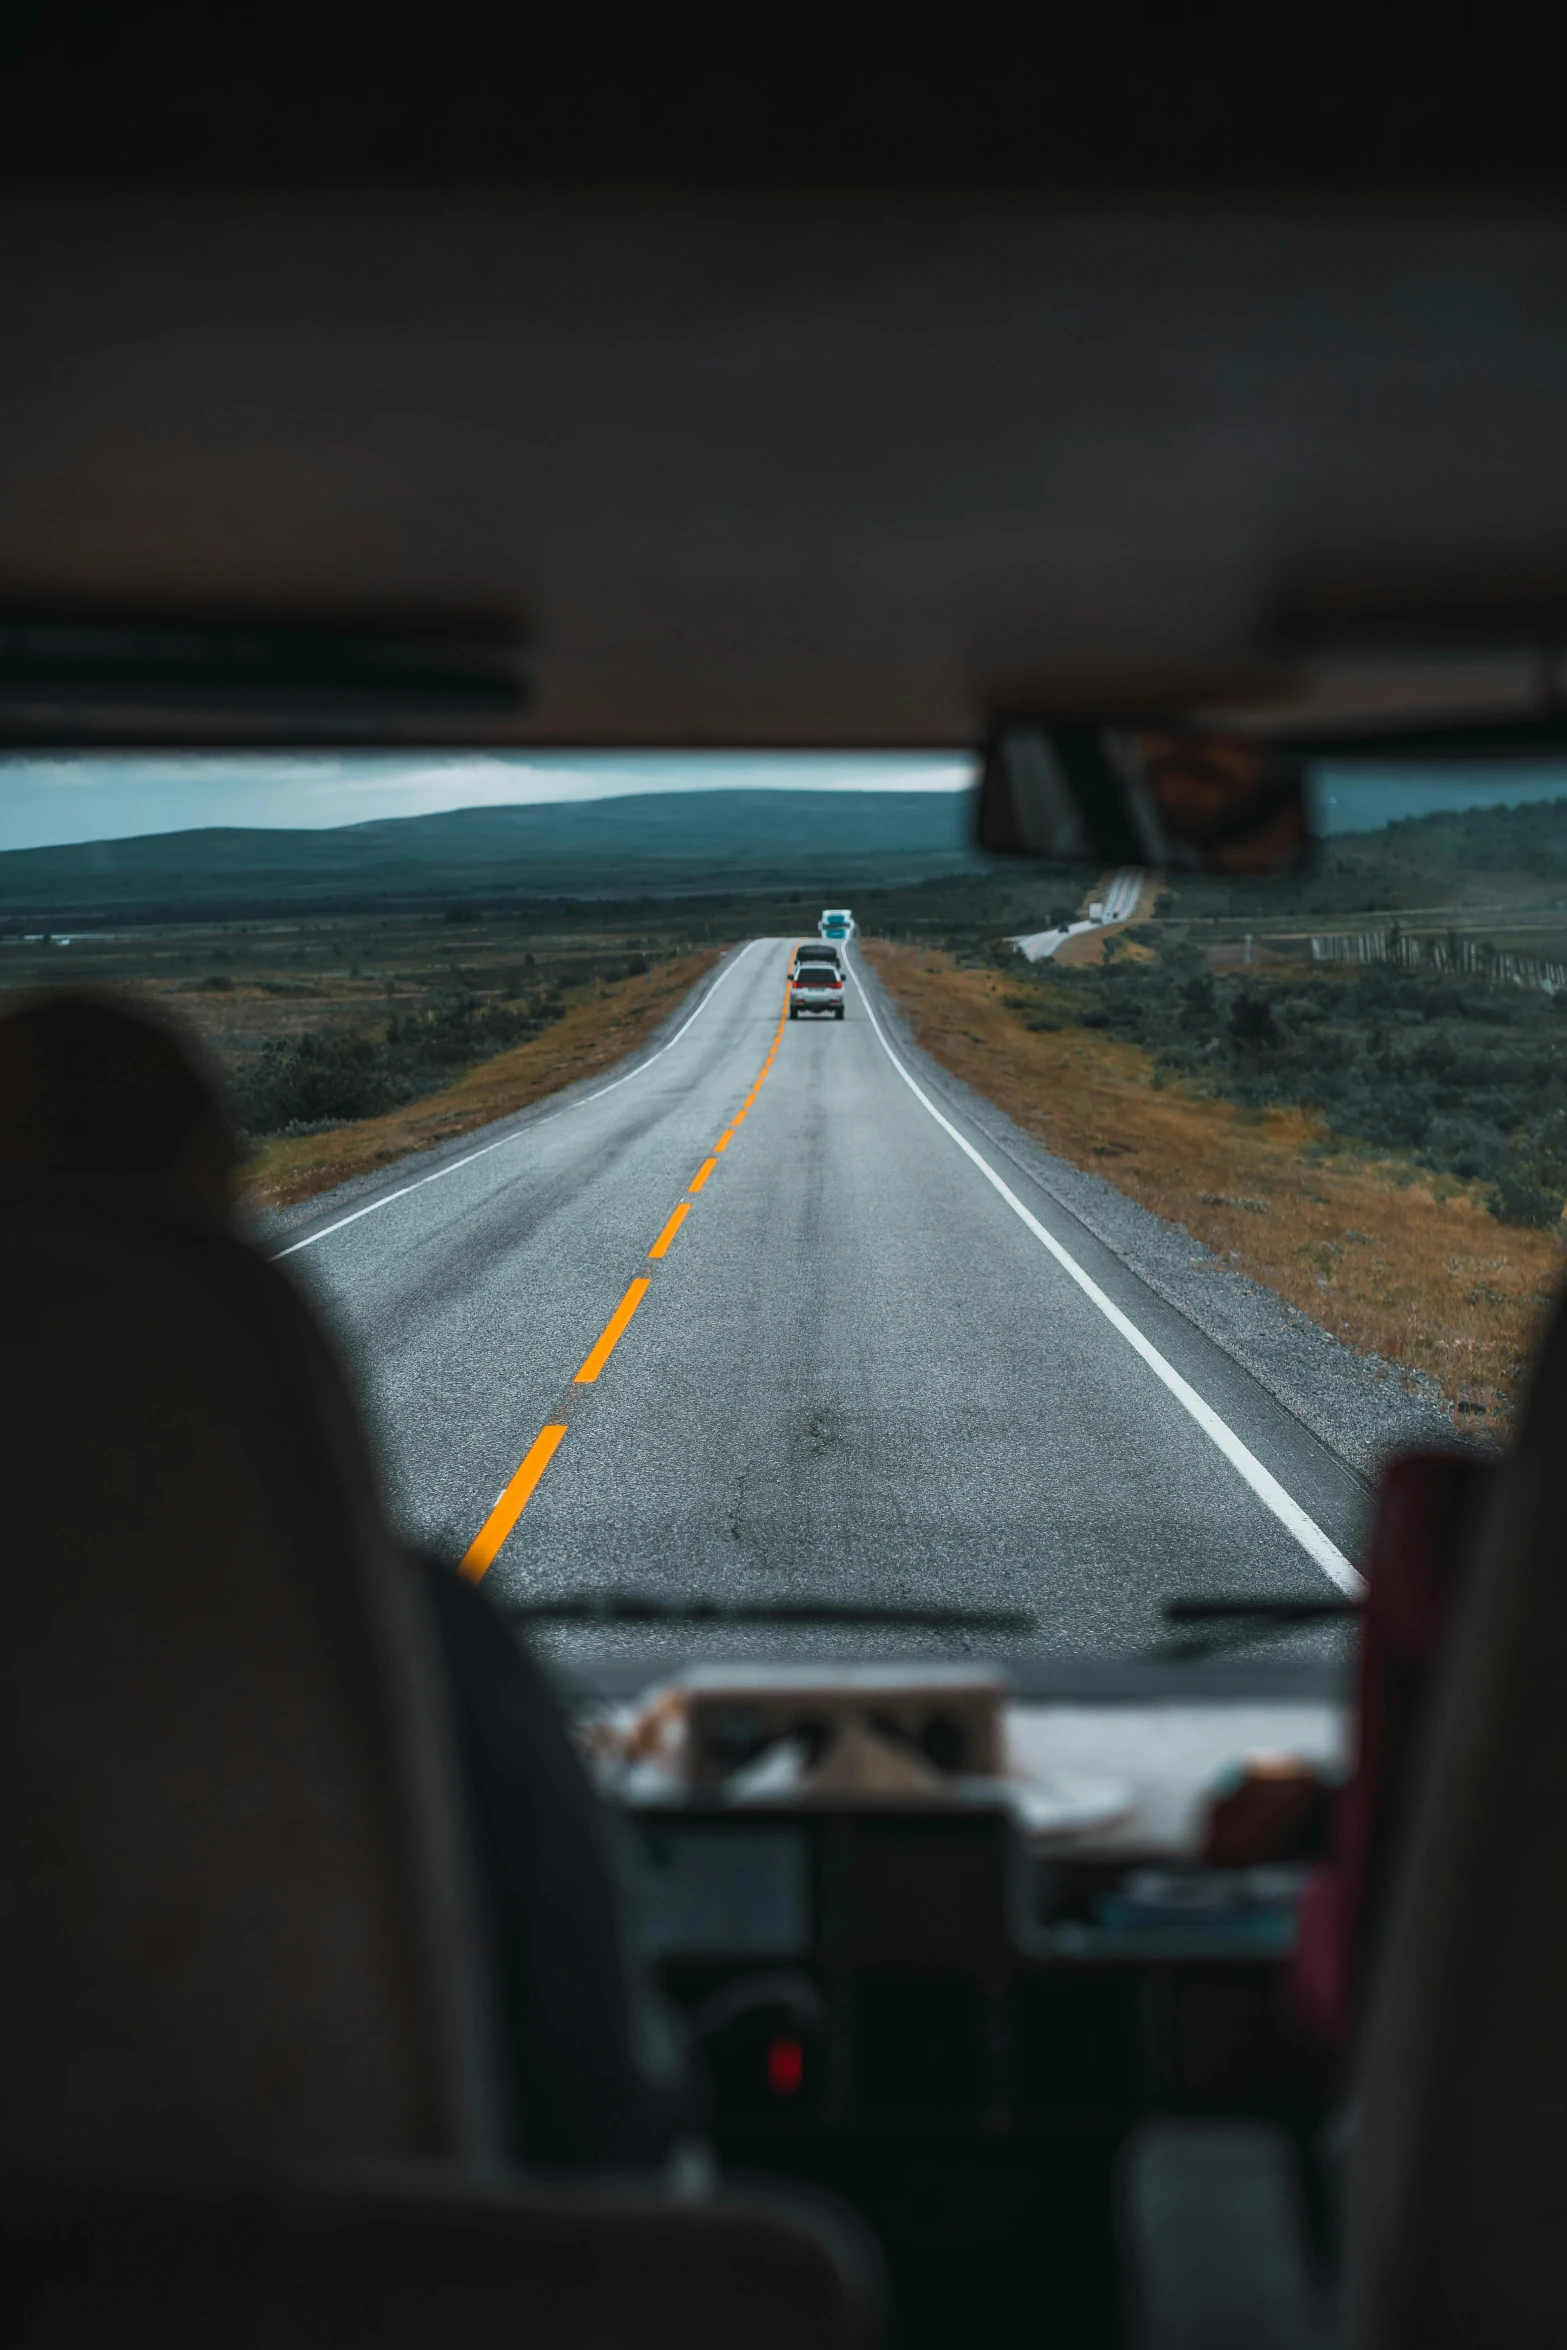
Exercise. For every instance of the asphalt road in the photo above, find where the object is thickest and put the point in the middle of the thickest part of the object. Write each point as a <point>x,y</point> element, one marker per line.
<point>875,1363</point>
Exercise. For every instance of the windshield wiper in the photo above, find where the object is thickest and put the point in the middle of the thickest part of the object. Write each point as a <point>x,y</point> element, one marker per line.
<point>1234,1622</point>
<point>635,1607</point>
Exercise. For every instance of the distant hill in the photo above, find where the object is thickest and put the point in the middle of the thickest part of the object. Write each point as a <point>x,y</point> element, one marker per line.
<point>1448,847</point>
<point>645,845</point>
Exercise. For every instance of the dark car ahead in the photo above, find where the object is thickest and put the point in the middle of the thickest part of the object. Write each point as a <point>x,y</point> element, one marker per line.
<point>816,952</point>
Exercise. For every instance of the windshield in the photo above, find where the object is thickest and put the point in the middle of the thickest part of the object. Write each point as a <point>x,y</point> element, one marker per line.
<point>1091,1261</point>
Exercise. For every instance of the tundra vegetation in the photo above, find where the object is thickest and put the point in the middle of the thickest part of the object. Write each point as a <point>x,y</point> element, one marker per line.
<point>1463,1074</point>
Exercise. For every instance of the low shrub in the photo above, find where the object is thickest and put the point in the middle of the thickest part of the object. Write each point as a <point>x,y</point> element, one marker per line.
<point>1519,1197</point>
<point>335,1075</point>
<point>1466,1075</point>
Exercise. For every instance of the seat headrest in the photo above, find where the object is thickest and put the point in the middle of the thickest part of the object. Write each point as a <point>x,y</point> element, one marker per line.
<point>240,1923</point>
<point>1459,2182</point>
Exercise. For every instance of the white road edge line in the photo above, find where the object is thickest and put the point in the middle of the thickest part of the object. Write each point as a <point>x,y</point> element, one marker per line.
<point>1263,1483</point>
<point>522,1133</point>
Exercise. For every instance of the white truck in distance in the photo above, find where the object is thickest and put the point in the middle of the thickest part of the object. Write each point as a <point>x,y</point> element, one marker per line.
<point>836,922</point>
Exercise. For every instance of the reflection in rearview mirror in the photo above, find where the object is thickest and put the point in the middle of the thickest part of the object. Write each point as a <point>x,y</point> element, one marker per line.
<point>1081,793</point>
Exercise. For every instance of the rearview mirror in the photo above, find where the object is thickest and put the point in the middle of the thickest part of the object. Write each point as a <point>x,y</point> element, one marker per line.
<point>1082,793</point>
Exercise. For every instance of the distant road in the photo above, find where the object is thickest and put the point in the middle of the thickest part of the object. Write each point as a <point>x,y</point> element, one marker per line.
<point>872,1361</point>
<point>1118,904</point>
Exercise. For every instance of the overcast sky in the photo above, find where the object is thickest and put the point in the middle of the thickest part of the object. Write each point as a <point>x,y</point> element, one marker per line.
<point>84,796</point>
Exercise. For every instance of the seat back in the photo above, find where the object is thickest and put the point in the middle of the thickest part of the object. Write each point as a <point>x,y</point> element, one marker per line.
<point>1460,2177</point>
<point>239,1923</point>
<point>404,2263</point>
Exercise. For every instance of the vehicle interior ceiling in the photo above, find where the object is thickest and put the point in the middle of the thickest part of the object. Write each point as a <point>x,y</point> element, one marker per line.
<point>865,381</point>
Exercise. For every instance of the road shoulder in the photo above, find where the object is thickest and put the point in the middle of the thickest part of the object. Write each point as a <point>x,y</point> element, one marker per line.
<point>1356,1405</point>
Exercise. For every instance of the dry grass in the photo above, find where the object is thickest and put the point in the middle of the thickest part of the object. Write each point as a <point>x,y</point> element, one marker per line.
<point>600,1028</point>
<point>1394,1261</point>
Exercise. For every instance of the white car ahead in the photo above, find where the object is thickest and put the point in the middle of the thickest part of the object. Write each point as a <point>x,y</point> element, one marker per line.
<point>836,922</point>
<point>816,985</point>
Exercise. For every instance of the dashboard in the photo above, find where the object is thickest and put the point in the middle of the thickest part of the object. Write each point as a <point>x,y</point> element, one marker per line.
<point>854,1969</point>
<point>940,1966</point>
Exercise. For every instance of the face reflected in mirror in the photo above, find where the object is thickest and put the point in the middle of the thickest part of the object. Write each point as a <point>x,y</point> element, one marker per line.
<point>1238,805</point>
<point>1076,792</point>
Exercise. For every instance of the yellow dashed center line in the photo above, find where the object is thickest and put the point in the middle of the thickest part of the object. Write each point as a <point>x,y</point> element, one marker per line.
<point>614,1330</point>
<point>660,1247</point>
<point>499,1523</point>
<point>487,1543</point>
